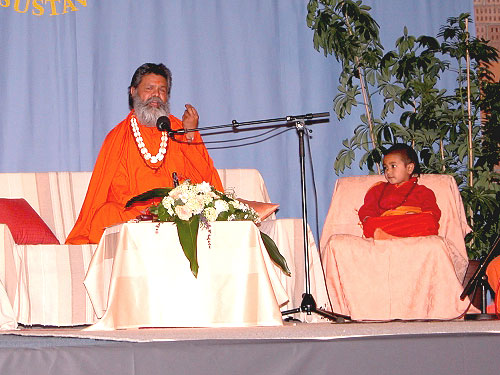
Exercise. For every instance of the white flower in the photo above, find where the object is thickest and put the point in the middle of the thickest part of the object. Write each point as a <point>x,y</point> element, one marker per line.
<point>167,202</point>
<point>252,211</point>
<point>195,204</point>
<point>184,196</point>
<point>183,192</point>
<point>183,212</point>
<point>239,205</point>
<point>204,187</point>
<point>207,199</point>
<point>220,206</point>
<point>210,214</point>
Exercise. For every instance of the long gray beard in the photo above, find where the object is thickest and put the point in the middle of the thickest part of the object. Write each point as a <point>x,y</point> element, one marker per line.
<point>148,115</point>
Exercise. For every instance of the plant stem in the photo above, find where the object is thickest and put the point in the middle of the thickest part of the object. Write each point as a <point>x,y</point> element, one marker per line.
<point>368,108</point>
<point>441,148</point>
<point>366,97</point>
<point>471,153</point>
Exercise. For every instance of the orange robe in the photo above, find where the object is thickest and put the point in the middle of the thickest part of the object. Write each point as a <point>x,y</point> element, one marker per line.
<point>493,273</point>
<point>121,173</point>
<point>406,210</point>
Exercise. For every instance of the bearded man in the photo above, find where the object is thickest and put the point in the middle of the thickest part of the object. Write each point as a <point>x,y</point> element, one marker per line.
<point>136,157</point>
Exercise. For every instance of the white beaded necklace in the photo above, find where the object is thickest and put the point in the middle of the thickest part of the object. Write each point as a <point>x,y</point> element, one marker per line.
<point>142,147</point>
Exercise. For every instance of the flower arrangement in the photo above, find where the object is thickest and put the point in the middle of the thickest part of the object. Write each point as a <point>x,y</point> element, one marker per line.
<point>190,206</point>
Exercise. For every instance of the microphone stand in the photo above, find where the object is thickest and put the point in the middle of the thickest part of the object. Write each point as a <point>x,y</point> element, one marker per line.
<point>308,304</point>
<point>242,126</point>
<point>480,279</point>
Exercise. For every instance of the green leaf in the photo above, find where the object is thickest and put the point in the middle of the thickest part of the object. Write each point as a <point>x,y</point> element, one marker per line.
<point>187,230</point>
<point>274,253</point>
<point>150,194</point>
<point>223,216</point>
<point>340,162</point>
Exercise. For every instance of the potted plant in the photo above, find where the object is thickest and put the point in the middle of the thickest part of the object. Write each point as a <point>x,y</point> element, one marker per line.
<point>455,130</point>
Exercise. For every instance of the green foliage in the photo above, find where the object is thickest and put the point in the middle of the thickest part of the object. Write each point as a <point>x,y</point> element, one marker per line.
<point>148,195</point>
<point>416,109</point>
<point>274,253</point>
<point>187,231</point>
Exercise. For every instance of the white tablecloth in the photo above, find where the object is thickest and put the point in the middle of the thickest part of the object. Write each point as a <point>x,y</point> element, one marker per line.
<point>140,277</point>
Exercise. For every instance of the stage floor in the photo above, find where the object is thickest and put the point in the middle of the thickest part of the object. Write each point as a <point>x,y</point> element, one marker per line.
<point>452,347</point>
<point>290,330</point>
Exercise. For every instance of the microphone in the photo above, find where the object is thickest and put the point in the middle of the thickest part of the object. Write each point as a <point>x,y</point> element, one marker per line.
<point>163,124</point>
<point>175,179</point>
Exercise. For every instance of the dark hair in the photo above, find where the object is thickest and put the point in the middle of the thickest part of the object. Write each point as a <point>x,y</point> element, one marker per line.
<point>149,68</point>
<point>408,155</point>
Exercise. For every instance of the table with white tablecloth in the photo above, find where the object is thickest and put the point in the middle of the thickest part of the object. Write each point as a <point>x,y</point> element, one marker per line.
<point>140,277</point>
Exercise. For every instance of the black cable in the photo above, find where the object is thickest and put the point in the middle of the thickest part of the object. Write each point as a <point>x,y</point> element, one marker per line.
<point>315,192</point>
<point>242,139</point>
<point>316,211</point>
<point>226,140</point>
<point>249,143</point>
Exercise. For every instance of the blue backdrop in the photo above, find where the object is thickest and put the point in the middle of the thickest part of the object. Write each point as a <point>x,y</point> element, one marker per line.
<point>65,66</point>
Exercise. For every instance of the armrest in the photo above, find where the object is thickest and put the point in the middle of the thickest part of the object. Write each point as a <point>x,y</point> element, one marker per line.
<point>8,269</point>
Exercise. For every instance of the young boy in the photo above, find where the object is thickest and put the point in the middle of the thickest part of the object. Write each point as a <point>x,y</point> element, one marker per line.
<point>400,207</point>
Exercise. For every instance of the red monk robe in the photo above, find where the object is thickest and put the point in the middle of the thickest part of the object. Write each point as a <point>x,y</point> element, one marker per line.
<point>405,210</point>
<point>121,173</point>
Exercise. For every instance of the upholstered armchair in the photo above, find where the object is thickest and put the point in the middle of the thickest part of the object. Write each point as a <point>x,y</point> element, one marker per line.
<point>403,278</point>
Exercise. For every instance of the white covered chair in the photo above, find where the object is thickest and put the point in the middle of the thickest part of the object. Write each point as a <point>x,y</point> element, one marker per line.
<point>43,284</point>
<point>404,278</point>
